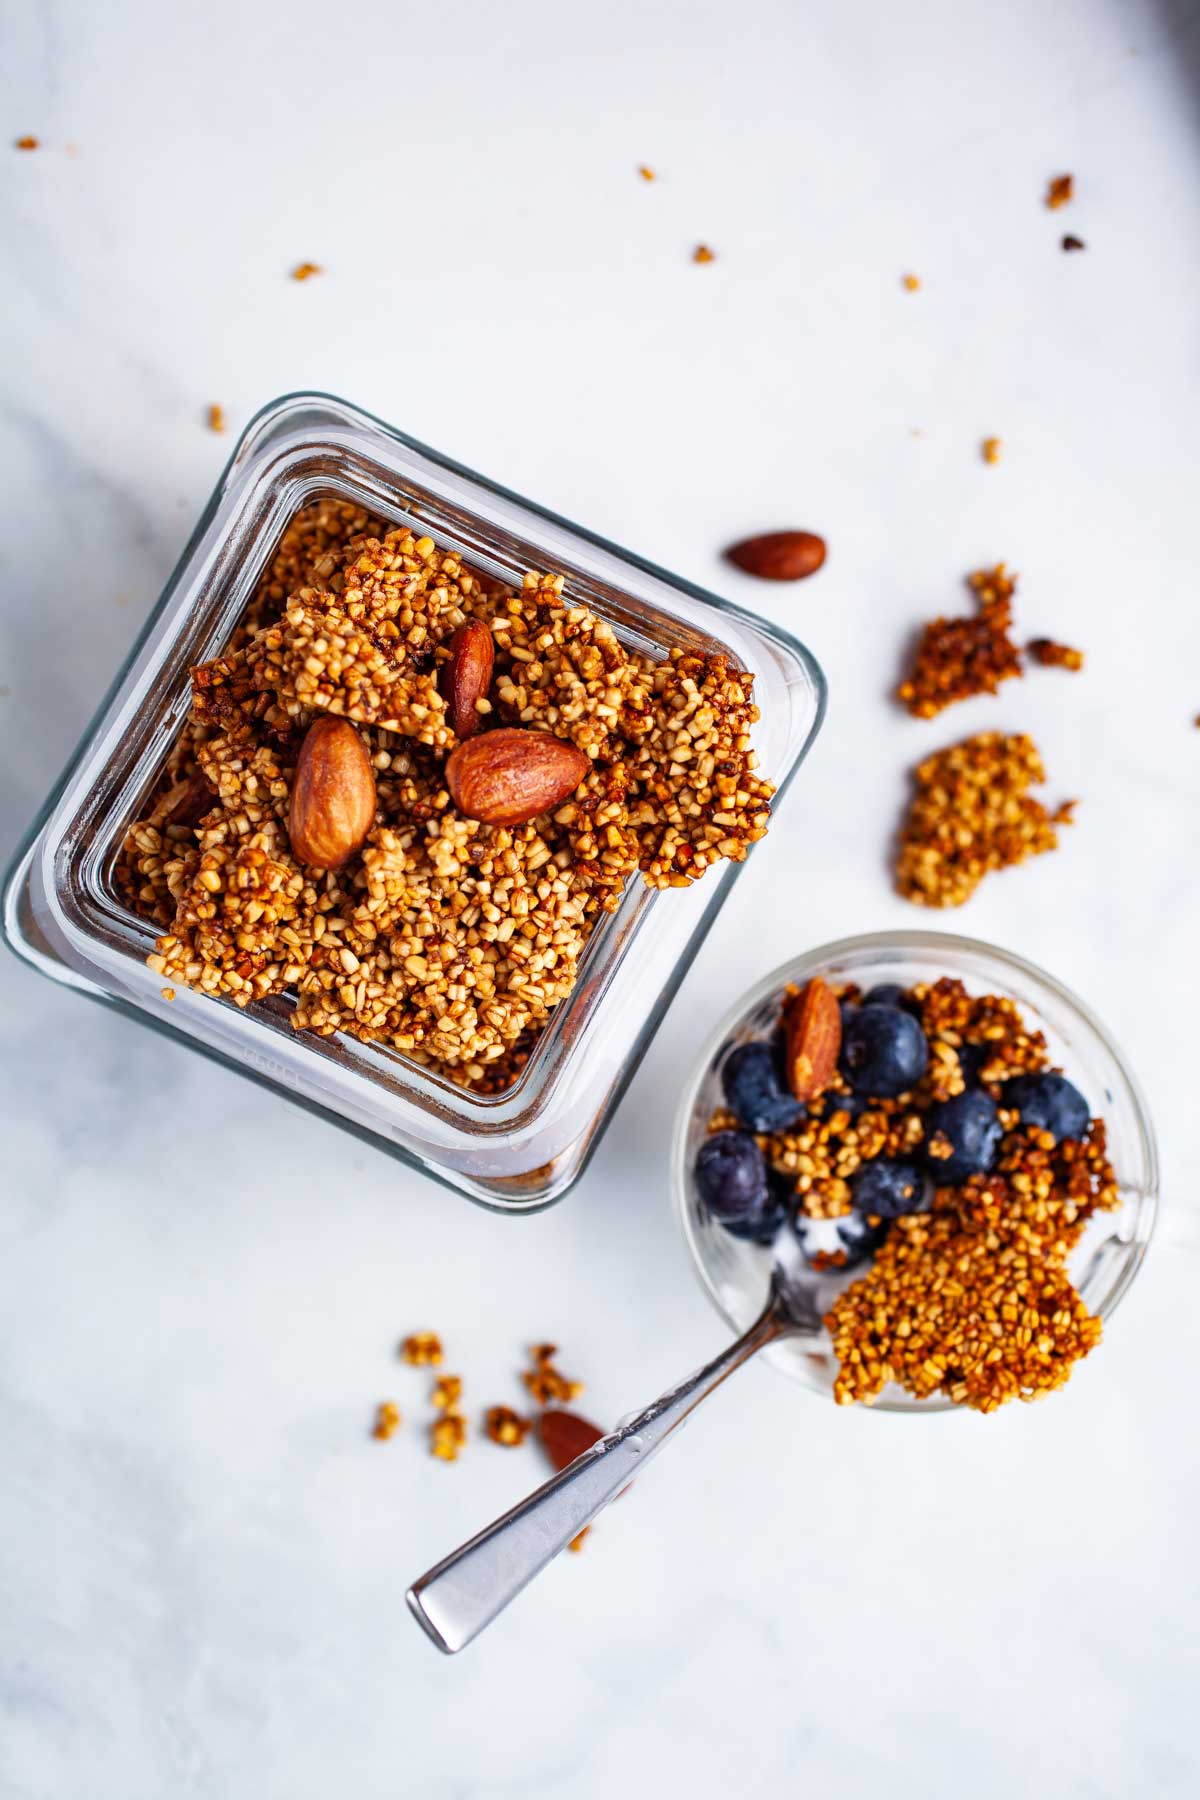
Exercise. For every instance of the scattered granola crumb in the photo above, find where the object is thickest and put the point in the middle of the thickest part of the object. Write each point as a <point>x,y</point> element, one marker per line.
<point>28,143</point>
<point>216,418</point>
<point>422,1350</point>
<point>504,1426</point>
<point>1071,242</point>
<point>702,254</point>
<point>646,174</point>
<point>167,993</point>
<point>544,1381</point>
<point>447,1392</point>
<point>1060,190</point>
<point>447,1435</point>
<point>972,813</point>
<point>912,283</point>
<point>387,1420</point>
<point>576,1543</point>
<point>1054,656</point>
<point>305,270</point>
<point>991,450</point>
<point>957,658</point>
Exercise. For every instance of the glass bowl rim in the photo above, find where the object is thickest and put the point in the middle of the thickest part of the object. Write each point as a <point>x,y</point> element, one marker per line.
<point>916,941</point>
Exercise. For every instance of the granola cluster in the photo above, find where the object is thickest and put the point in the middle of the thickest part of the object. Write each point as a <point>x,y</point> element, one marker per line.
<point>973,813</point>
<point>450,939</point>
<point>956,658</point>
<point>972,1299</point>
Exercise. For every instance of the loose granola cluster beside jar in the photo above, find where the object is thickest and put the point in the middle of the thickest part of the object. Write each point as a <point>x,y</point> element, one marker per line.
<point>405,795</point>
<point>921,1136</point>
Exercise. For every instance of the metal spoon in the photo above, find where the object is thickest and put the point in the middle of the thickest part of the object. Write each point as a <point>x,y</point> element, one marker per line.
<point>461,1595</point>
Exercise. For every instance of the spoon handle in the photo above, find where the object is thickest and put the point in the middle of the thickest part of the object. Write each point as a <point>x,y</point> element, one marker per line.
<point>464,1592</point>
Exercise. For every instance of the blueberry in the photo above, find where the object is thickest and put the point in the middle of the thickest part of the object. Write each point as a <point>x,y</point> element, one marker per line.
<point>971,1058</point>
<point>972,1124</point>
<point>754,1089</point>
<point>822,1239</point>
<point>888,1188</point>
<point>888,993</point>
<point>852,1104</point>
<point>1050,1102</point>
<point>731,1174</point>
<point>765,1228</point>
<point>859,1239</point>
<point>883,1051</point>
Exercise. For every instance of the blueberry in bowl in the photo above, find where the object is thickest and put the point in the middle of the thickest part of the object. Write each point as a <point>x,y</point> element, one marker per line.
<point>884,1052</point>
<point>838,1245</point>
<point>962,1136</point>
<point>888,1188</point>
<point>752,1078</point>
<point>731,1176</point>
<point>1050,1102</point>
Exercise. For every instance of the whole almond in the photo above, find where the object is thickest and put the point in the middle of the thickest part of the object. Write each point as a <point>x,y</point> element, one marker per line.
<point>333,795</point>
<point>508,776</point>
<point>466,678</point>
<point>565,1435</point>
<point>813,1028</point>
<point>780,555</point>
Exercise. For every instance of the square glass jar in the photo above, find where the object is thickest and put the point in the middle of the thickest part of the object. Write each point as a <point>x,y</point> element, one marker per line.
<point>515,1151</point>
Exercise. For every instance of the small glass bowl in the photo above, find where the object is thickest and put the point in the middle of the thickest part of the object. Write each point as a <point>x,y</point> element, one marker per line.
<point>735,1274</point>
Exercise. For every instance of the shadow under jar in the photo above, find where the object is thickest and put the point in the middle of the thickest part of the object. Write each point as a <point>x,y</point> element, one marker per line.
<point>64,913</point>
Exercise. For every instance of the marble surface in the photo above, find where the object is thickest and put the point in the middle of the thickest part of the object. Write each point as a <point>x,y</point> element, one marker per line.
<point>202,1554</point>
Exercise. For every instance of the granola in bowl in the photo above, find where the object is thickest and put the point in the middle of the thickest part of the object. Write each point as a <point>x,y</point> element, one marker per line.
<point>337,820</point>
<point>965,1219</point>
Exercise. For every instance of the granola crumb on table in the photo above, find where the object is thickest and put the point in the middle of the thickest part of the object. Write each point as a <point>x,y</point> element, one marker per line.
<point>973,813</point>
<point>422,1350</point>
<point>1055,656</point>
<point>504,1426</point>
<point>448,938</point>
<point>957,658</point>
<point>546,1384</point>
<point>387,1420</point>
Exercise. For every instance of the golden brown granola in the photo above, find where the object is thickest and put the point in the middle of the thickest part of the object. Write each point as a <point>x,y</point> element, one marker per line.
<point>447,1436</point>
<point>504,1426</point>
<point>27,142</point>
<point>1055,656</point>
<point>216,417</point>
<point>973,1299</point>
<point>387,1420</point>
<point>450,939</point>
<point>447,1392</point>
<point>647,174</point>
<point>972,813</point>
<point>422,1350</point>
<point>1060,189</point>
<point>544,1380</point>
<point>702,254</point>
<point>957,658</point>
<point>912,283</point>
<point>304,271</point>
<point>990,450</point>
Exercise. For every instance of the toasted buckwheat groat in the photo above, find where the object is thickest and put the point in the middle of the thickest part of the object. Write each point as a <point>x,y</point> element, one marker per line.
<point>973,813</point>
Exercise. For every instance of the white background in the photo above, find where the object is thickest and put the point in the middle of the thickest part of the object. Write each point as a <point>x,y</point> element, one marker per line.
<point>202,1554</point>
